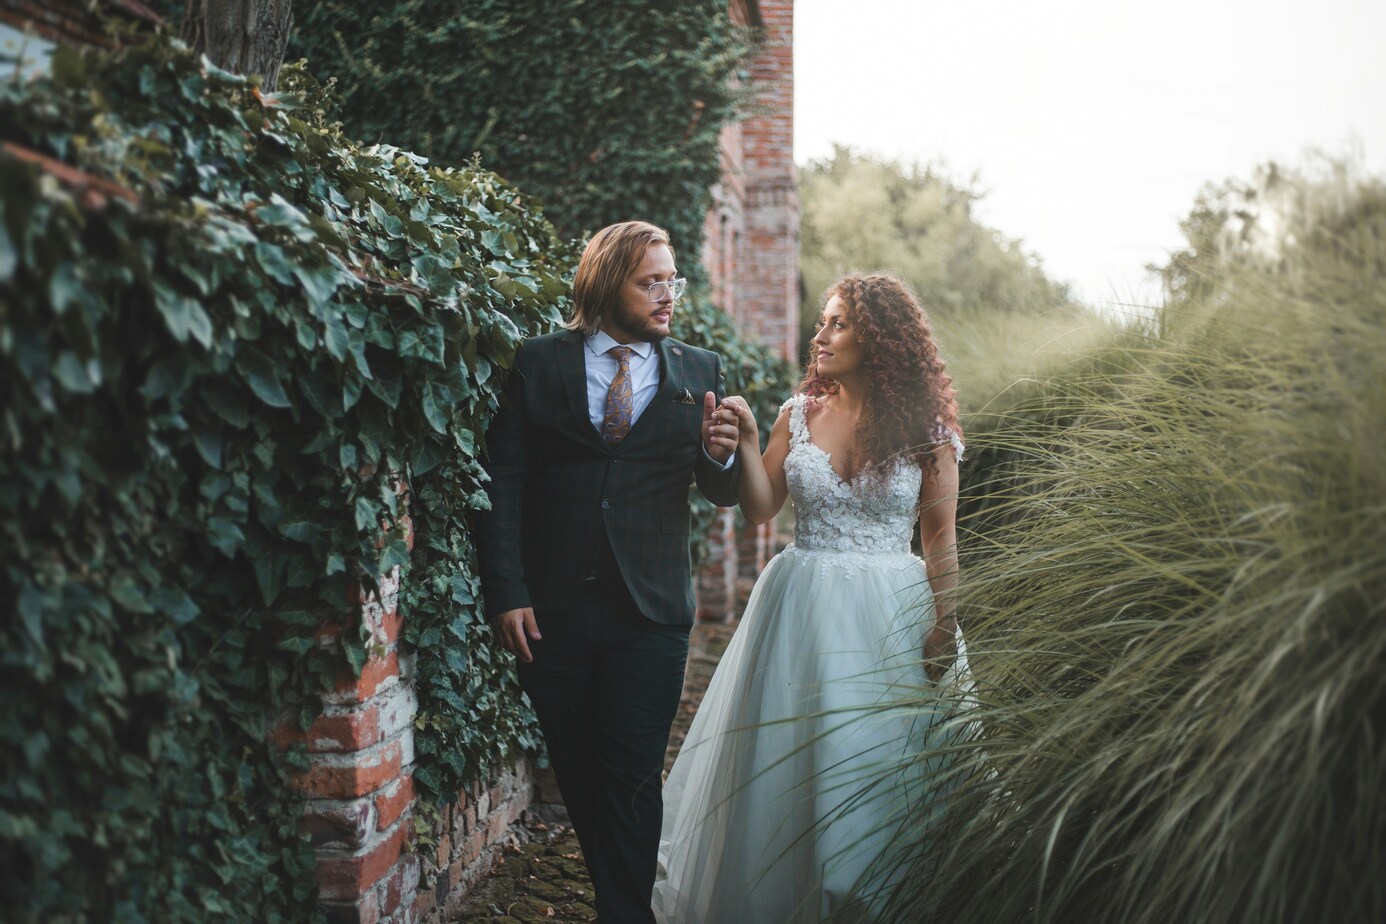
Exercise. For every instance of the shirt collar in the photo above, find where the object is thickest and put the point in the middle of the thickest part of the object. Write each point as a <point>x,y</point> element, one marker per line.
<point>601,341</point>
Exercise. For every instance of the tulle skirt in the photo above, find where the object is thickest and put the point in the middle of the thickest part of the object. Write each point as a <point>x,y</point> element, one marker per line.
<point>817,741</point>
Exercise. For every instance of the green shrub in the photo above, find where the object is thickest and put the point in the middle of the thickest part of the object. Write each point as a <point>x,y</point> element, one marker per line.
<point>205,397</point>
<point>605,111</point>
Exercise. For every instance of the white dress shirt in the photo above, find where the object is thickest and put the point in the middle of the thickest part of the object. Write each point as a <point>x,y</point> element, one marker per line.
<point>644,379</point>
<point>602,367</point>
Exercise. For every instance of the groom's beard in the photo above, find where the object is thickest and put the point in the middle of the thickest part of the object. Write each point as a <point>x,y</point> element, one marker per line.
<point>643,324</point>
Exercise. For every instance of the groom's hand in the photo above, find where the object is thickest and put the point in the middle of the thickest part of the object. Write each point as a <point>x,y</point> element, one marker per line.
<point>515,628</point>
<point>720,430</point>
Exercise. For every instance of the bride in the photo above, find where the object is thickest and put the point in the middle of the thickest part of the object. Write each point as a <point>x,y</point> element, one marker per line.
<point>787,793</point>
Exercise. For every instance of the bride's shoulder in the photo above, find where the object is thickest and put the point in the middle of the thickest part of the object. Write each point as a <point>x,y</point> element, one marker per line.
<point>792,402</point>
<point>944,435</point>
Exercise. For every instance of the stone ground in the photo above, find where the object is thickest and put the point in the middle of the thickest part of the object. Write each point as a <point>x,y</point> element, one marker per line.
<point>545,881</point>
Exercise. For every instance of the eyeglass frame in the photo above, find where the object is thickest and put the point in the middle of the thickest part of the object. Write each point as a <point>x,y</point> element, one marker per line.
<point>678,281</point>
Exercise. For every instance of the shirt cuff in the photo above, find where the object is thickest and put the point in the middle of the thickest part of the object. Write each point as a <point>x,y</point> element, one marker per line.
<point>722,465</point>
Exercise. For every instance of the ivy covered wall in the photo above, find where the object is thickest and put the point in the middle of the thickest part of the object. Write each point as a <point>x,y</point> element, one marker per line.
<point>219,341</point>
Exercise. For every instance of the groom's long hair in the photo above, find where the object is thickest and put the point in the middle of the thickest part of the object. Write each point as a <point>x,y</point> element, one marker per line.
<point>609,258</point>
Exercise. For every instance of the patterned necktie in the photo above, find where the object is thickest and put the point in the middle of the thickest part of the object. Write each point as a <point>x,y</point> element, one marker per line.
<point>620,400</point>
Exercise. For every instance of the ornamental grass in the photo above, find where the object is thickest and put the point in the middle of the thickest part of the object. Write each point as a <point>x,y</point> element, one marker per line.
<point>1173,592</point>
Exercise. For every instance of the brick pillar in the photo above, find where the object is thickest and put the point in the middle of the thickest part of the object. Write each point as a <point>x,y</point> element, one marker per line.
<point>717,579</point>
<point>358,788</point>
<point>755,545</point>
<point>768,279</point>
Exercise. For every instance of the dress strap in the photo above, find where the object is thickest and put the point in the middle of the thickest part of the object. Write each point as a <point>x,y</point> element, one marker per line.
<point>798,419</point>
<point>948,435</point>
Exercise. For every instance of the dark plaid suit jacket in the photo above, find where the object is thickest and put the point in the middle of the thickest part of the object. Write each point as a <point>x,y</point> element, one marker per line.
<point>556,485</point>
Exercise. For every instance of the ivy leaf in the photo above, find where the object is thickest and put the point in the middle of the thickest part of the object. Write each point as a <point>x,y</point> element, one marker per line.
<point>129,594</point>
<point>428,455</point>
<point>269,574</point>
<point>9,255</point>
<point>395,552</point>
<point>437,402</point>
<point>183,316</point>
<point>355,651</point>
<point>335,336</point>
<point>319,283</point>
<point>72,375</point>
<point>367,513</point>
<point>262,375</point>
<point>229,403</point>
<point>273,261</point>
<point>208,444</point>
<point>225,535</point>
<point>296,646</point>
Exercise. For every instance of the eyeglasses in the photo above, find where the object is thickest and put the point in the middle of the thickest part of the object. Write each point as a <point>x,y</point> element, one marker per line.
<point>676,289</point>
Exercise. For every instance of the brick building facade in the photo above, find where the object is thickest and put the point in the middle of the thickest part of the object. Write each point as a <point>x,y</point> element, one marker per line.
<point>751,254</point>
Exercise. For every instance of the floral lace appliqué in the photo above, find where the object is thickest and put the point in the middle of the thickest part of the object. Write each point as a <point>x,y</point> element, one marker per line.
<point>871,514</point>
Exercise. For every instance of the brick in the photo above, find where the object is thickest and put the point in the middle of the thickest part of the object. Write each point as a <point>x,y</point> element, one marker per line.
<point>459,817</point>
<point>444,852</point>
<point>428,900</point>
<point>393,801</point>
<point>401,886</point>
<point>476,843</point>
<point>397,707</point>
<point>345,824</point>
<point>348,877</point>
<point>344,731</point>
<point>546,786</point>
<point>387,629</point>
<point>496,827</point>
<point>366,911</point>
<point>375,675</point>
<point>343,777</point>
<point>407,914</point>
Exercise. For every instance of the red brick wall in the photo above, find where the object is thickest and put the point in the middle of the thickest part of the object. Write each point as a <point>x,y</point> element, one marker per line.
<point>751,254</point>
<point>768,277</point>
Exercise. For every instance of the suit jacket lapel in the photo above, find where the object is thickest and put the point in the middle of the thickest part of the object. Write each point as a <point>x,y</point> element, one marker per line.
<point>670,383</point>
<point>572,368</point>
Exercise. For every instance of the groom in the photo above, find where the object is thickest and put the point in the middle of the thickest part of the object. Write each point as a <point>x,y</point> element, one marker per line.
<point>584,553</point>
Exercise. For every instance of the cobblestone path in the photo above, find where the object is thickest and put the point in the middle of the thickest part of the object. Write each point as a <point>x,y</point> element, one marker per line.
<point>545,881</point>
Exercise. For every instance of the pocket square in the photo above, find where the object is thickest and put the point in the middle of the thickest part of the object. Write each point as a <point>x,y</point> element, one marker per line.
<point>685,397</point>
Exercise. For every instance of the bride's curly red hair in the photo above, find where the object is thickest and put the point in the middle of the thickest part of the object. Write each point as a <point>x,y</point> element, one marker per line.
<point>910,401</point>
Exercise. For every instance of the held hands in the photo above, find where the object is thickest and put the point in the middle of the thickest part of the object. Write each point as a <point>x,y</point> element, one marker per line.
<point>720,430</point>
<point>514,629</point>
<point>745,420</point>
<point>940,647</point>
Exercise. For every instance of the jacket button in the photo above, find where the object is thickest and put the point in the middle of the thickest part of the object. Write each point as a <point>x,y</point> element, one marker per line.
<point>605,503</point>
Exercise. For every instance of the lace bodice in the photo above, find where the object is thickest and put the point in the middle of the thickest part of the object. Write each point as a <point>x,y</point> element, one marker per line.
<point>872,513</point>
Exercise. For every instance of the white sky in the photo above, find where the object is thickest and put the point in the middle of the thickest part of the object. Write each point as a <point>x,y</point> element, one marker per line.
<point>1092,123</point>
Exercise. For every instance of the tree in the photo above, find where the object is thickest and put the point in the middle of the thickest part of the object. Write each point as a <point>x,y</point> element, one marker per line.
<point>240,36</point>
<point>863,213</point>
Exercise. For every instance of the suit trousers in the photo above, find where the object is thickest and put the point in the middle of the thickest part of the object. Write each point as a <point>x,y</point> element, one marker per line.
<point>605,683</point>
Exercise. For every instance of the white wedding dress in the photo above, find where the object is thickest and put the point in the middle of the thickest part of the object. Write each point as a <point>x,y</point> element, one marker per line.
<point>805,755</point>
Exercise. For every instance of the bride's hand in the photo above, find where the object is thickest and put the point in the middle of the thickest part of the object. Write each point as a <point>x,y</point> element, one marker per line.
<point>745,419</point>
<point>940,647</point>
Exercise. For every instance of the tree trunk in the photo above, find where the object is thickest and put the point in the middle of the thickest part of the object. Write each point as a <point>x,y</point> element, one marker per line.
<point>241,36</point>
